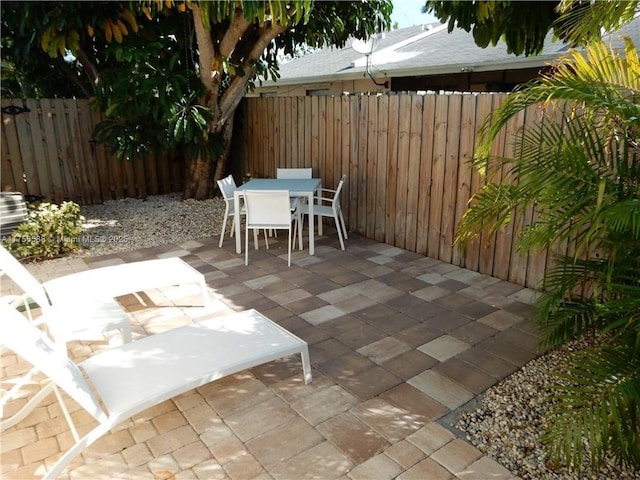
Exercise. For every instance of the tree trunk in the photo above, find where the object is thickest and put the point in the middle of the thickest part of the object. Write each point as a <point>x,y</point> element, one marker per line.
<point>197,182</point>
<point>201,174</point>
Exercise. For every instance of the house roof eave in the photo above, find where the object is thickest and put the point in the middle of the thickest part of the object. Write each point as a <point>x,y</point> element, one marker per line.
<point>381,74</point>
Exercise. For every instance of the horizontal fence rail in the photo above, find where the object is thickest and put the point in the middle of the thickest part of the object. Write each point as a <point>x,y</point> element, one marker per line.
<point>407,161</point>
<point>48,151</point>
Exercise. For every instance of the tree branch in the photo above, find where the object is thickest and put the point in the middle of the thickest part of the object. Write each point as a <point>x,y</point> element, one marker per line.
<point>234,33</point>
<point>232,96</point>
<point>88,66</point>
<point>207,54</point>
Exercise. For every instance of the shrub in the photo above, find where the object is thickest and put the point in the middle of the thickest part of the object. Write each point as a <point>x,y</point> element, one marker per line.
<point>50,231</point>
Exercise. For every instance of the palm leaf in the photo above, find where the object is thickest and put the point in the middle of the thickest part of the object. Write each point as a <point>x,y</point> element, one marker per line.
<point>597,402</point>
<point>603,83</point>
<point>587,20</point>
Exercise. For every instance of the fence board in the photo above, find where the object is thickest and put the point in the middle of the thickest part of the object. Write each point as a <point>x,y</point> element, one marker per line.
<point>465,155</point>
<point>359,168</point>
<point>287,150</point>
<point>424,178</point>
<point>24,132</point>
<point>450,181</point>
<point>402,164</point>
<point>369,173</point>
<point>330,145</point>
<point>378,218</point>
<point>37,144</point>
<point>437,176</point>
<point>392,149</point>
<point>48,127</point>
<point>345,154</point>
<point>413,172</point>
<point>484,105</point>
<point>322,136</point>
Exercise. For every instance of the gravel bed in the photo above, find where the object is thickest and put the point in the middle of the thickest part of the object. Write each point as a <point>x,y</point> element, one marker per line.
<point>508,418</point>
<point>131,224</point>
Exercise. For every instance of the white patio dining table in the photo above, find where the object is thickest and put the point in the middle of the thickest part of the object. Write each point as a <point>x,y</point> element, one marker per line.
<point>298,187</point>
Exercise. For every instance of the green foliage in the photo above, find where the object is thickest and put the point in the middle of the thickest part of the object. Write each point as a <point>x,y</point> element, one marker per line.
<point>50,231</point>
<point>159,68</point>
<point>523,25</point>
<point>149,98</point>
<point>596,414</point>
<point>579,170</point>
<point>188,124</point>
<point>52,49</point>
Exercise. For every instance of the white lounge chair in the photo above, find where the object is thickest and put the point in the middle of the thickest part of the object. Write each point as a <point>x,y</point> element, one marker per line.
<point>92,293</point>
<point>130,378</point>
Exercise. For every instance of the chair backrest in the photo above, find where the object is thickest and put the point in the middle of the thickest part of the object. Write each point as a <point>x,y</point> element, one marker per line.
<point>27,341</point>
<point>268,208</point>
<point>23,278</point>
<point>336,195</point>
<point>294,173</point>
<point>227,185</point>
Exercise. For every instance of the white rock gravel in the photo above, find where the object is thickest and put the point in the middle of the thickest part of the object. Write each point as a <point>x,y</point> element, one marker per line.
<point>510,415</point>
<point>131,224</point>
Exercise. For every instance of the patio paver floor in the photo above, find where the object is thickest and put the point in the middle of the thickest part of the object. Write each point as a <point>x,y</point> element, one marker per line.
<point>396,340</point>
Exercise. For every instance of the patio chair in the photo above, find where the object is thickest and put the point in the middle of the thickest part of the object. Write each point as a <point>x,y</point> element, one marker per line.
<point>79,305</point>
<point>227,185</point>
<point>294,173</point>
<point>325,206</point>
<point>128,379</point>
<point>267,209</point>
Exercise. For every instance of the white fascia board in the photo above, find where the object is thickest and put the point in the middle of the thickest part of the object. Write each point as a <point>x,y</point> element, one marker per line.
<point>539,61</point>
<point>381,73</point>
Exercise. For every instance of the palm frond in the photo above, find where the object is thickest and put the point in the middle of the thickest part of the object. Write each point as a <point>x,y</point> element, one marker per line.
<point>603,83</point>
<point>493,201</point>
<point>623,217</point>
<point>580,22</point>
<point>597,407</point>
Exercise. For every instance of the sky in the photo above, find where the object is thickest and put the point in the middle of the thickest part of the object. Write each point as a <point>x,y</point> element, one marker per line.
<point>408,13</point>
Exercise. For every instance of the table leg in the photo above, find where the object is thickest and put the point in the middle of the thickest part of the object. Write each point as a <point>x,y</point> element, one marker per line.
<point>237,226</point>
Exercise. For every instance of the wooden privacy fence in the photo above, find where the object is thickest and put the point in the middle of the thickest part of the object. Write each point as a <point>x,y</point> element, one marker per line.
<point>48,151</point>
<point>406,157</point>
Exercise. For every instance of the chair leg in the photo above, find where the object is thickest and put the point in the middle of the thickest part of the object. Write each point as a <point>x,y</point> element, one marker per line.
<point>339,233</point>
<point>344,229</point>
<point>233,226</point>
<point>224,228</point>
